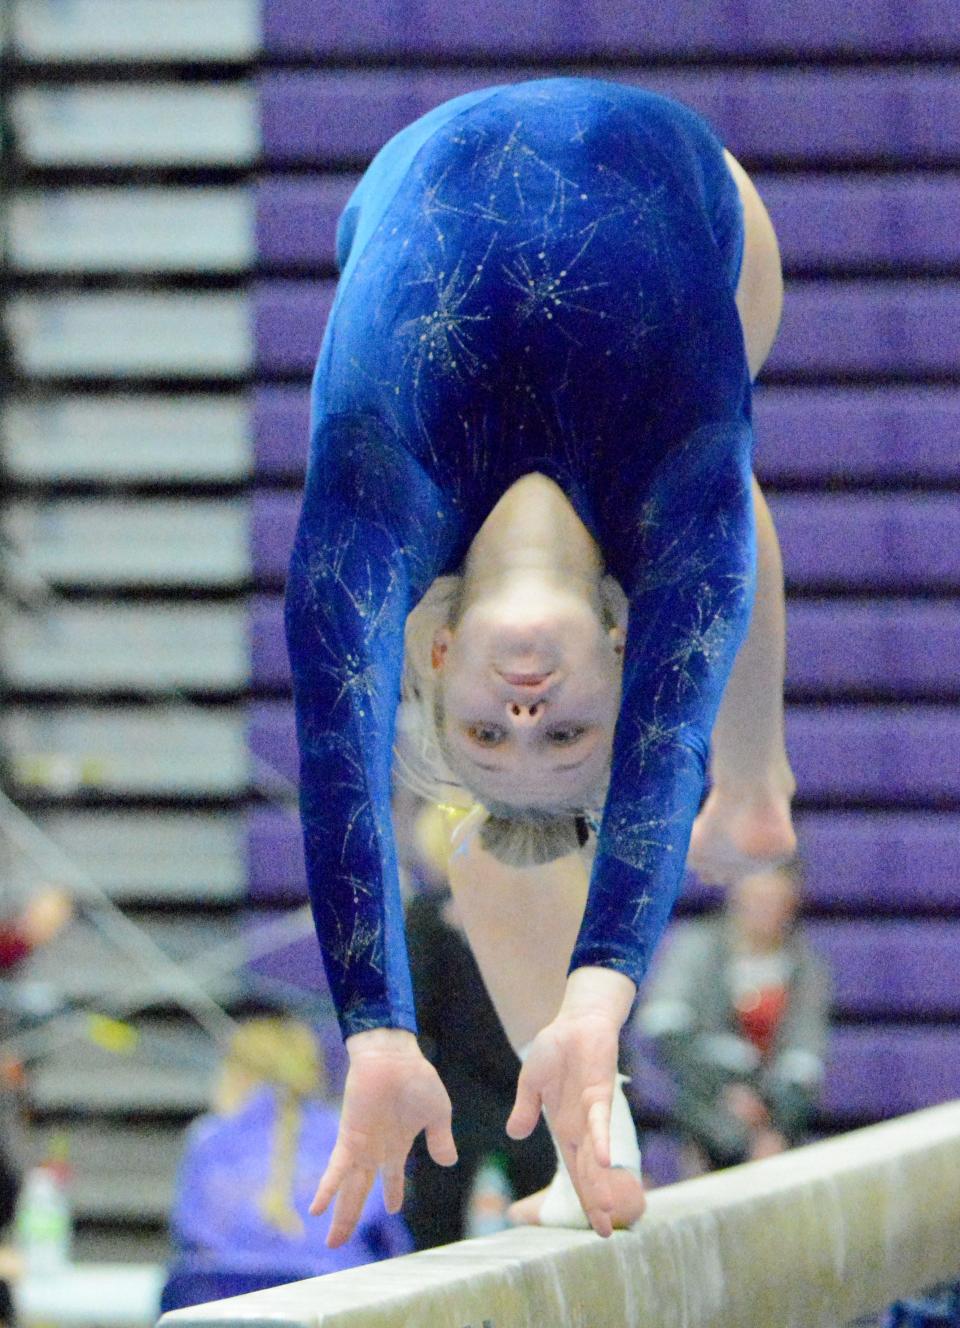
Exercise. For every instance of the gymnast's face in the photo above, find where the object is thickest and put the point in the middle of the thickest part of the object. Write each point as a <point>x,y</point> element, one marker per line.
<point>529,692</point>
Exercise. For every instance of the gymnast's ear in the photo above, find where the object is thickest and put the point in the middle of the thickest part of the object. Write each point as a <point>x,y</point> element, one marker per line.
<point>439,647</point>
<point>614,608</point>
<point>435,612</point>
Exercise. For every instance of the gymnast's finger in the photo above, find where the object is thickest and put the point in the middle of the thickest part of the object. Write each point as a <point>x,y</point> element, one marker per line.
<point>526,1109</point>
<point>440,1143</point>
<point>598,1126</point>
<point>330,1182</point>
<point>393,1187</point>
<point>350,1200</point>
<point>592,1182</point>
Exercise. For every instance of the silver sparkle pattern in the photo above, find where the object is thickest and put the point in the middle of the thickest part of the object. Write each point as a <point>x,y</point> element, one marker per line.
<point>703,642</point>
<point>354,933</point>
<point>635,836</point>
<point>440,339</point>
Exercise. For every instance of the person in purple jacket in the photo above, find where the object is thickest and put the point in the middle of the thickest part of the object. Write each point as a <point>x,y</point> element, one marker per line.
<point>248,1173</point>
<point>530,507</point>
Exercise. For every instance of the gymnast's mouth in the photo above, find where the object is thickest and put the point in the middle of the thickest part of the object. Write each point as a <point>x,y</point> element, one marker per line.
<point>524,679</point>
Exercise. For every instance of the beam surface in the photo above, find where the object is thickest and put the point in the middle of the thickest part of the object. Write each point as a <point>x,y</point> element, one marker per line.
<point>811,1239</point>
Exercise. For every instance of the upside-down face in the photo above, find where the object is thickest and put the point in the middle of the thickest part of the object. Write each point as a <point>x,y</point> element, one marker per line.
<point>528,695</point>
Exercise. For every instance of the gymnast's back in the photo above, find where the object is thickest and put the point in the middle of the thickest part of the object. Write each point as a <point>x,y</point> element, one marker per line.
<point>524,271</point>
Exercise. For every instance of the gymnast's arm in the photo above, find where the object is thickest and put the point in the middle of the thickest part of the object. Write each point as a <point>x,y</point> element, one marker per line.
<point>691,593</point>
<point>367,546</point>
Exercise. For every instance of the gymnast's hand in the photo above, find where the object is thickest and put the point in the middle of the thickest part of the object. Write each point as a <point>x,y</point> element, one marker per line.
<point>569,1073</point>
<point>392,1093</point>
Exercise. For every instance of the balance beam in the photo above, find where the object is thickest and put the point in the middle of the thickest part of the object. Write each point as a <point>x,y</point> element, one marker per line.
<point>813,1238</point>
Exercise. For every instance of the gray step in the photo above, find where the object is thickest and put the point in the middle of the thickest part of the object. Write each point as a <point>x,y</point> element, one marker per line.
<point>116,124</point>
<point>131,230</point>
<point>155,856</point>
<point>119,1172</point>
<point>116,971</point>
<point>104,30</point>
<point>106,541</point>
<point>169,749</point>
<point>129,437</point>
<point>97,647</point>
<point>170,1070</point>
<point>116,334</point>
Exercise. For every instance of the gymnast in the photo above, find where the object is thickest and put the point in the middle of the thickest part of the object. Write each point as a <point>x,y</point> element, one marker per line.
<point>530,511</point>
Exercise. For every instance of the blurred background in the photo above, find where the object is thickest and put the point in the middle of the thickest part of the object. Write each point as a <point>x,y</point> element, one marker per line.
<point>172,175</point>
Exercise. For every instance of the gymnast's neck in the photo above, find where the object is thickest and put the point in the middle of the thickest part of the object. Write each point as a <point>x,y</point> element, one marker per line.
<point>533,534</point>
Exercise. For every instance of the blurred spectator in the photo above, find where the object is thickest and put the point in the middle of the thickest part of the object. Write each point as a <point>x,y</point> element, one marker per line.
<point>738,1010</point>
<point>36,923</point>
<point>24,927</point>
<point>463,1038</point>
<point>249,1172</point>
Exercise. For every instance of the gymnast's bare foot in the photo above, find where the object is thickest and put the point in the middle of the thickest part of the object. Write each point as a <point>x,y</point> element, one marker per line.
<point>629,1202</point>
<point>741,829</point>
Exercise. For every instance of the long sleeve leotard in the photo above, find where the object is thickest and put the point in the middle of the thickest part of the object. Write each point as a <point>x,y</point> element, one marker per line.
<point>535,278</point>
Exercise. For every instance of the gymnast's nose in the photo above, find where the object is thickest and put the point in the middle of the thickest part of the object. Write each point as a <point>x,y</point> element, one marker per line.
<point>524,714</point>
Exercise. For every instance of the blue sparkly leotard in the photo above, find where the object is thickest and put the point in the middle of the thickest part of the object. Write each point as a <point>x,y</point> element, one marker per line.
<point>537,277</point>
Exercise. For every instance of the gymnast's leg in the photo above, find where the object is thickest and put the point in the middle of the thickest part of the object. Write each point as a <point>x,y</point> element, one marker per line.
<point>746,818</point>
<point>522,924</point>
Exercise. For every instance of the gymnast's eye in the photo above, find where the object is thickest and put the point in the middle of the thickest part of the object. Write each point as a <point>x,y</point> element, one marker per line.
<point>565,735</point>
<point>486,735</point>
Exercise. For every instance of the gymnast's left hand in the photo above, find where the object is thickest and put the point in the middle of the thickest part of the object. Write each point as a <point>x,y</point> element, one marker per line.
<point>391,1094</point>
<point>569,1073</point>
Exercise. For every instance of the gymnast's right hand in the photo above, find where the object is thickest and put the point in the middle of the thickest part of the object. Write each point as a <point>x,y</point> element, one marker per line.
<point>392,1093</point>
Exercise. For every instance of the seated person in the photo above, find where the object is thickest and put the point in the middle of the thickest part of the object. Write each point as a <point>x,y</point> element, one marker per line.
<point>248,1174</point>
<point>738,1009</point>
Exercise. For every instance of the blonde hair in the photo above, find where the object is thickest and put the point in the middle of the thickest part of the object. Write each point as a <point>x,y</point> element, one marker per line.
<point>516,836</point>
<point>283,1054</point>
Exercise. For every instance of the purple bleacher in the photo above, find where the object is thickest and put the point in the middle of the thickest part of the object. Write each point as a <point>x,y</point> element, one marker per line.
<point>279,423</point>
<point>275,868</point>
<point>863,434</point>
<point>297,965</point>
<point>863,221</point>
<point>891,968</point>
<point>288,322</point>
<point>296,220</point>
<point>888,860</point>
<point>271,738</point>
<point>894,753</point>
<point>888,540</point>
<point>662,1160</point>
<point>861,541</point>
<point>269,665</point>
<point>698,27</point>
<point>891,862</point>
<point>828,327</point>
<point>273,523</point>
<point>798,115</point>
<point>898,646</point>
<point>883,1072</point>
<point>868,327</point>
